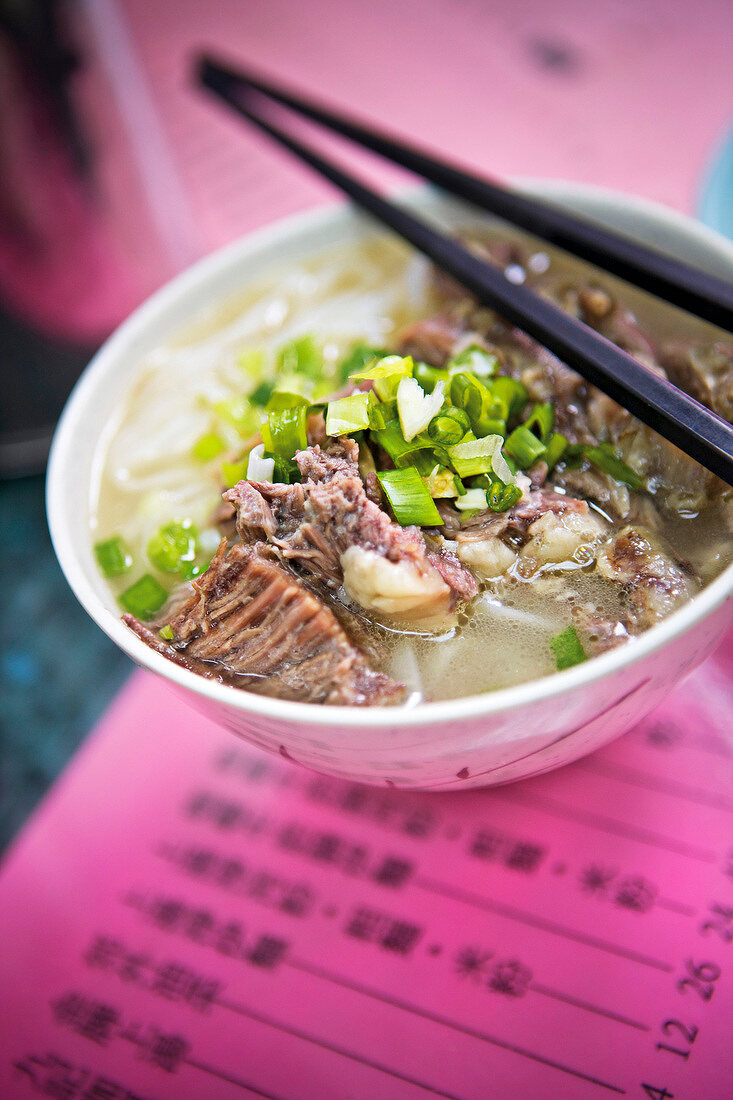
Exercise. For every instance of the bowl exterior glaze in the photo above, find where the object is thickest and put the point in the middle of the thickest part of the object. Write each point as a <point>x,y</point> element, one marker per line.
<point>484,750</point>
<point>480,741</point>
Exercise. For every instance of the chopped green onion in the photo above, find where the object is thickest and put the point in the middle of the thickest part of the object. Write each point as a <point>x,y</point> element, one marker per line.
<point>399,450</point>
<point>261,394</point>
<point>415,407</point>
<point>605,458</point>
<point>285,431</point>
<point>143,598</point>
<point>466,392</point>
<point>193,569</point>
<point>233,472</point>
<point>113,556</point>
<point>348,414</point>
<point>260,468</point>
<point>567,649</point>
<point>409,498</point>
<point>286,471</point>
<point>502,497</point>
<point>280,399</point>
<point>239,414</point>
<point>555,449</point>
<point>172,546</point>
<point>473,500</point>
<point>573,456</point>
<point>489,425</point>
<point>301,356</point>
<point>441,483</point>
<point>511,395</point>
<point>504,468</point>
<point>386,375</point>
<point>541,421</point>
<point>428,376</point>
<point>524,447</point>
<point>476,360</point>
<point>476,456</point>
<point>252,361</point>
<point>166,632</point>
<point>357,360</point>
<point>207,447</point>
<point>380,414</point>
<point>449,426</point>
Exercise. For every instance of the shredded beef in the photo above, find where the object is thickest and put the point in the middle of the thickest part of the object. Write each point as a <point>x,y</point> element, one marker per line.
<point>313,523</point>
<point>654,582</point>
<point>704,371</point>
<point>514,522</point>
<point>251,623</point>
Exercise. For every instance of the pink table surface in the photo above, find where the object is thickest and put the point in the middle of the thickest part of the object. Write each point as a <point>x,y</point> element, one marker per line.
<point>187,918</point>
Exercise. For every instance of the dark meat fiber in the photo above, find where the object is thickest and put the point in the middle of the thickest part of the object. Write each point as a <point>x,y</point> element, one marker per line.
<point>252,624</point>
<point>328,528</point>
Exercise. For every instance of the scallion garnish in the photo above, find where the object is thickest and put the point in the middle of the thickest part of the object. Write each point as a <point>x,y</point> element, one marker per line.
<point>239,414</point>
<point>348,414</point>
<point>172,546</point>
<point>501,497</point>
<point>232,473</point>
<point>380,413</point>
<point>207,447</point>
<point>415,407</point>
<point>286,471</point>
<point>402,453</point>
<point>541,421</point>
<point>510,393</point>
<point>166,633</point>
<point>467,393</point>
<point>524,447</point>
<point>261,394</point>
<point>386,375</point>
<point>252,361</point>
<point>301,356</point>
<point>476,456</point>
<point>428,376</point>
<point>260,468</point>
<point>409,498</point>
<point>555,450</point>
<point>284,433</point>
<point>605,458</point>
<point>489,425</point>
<point>476,360</point>
<point>442,483</point>
<point>473,500</point>
<point>567,649</point>
<point>193,569</point>
<point>283,399</point>
<point>143,598</point>
<point>449,426</point>
<point>113,556</point>
<point>358,359</point>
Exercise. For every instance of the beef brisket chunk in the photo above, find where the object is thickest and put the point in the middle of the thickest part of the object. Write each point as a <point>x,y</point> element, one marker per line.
<point>252,624</point>
<point>327,527</point>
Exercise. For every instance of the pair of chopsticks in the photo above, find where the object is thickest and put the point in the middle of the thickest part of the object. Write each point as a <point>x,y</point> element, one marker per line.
<point>702,434</point>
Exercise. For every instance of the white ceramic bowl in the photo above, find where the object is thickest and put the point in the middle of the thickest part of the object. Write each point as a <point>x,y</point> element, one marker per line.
<point>471,742</point>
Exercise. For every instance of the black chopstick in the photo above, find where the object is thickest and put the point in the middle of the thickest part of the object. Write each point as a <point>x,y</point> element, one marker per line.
<point>679,283</point>
<point>696,430</point>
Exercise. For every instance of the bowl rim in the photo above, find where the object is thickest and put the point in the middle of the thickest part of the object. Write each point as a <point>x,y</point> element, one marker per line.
<point>314,220</point>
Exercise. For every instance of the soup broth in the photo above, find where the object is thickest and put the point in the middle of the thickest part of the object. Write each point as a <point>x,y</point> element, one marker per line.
<point>155,471</point>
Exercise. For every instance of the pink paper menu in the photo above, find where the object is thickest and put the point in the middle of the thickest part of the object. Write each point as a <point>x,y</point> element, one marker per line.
<point>188,917</point>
